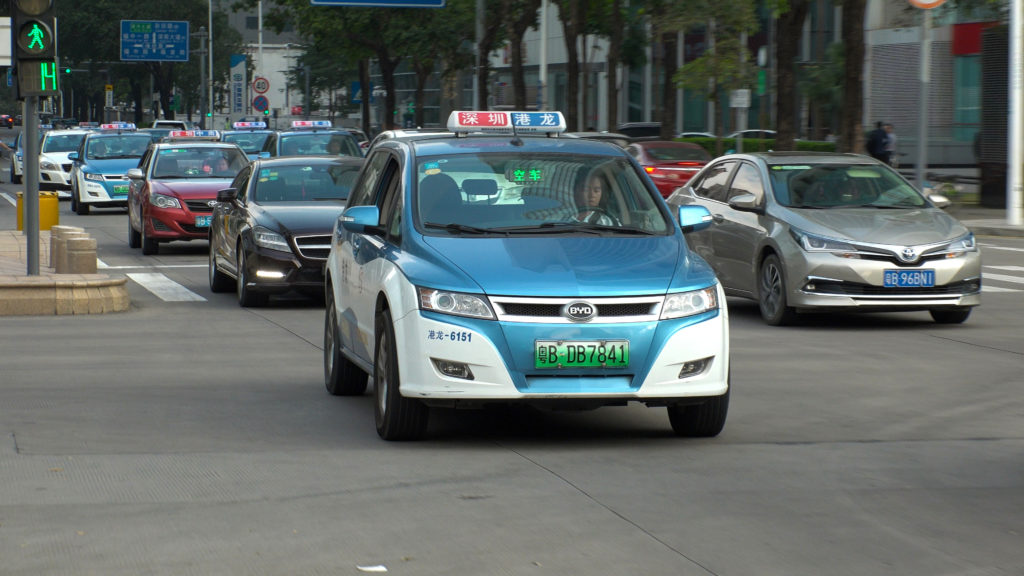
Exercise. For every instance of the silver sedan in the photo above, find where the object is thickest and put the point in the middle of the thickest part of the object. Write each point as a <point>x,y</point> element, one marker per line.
<point>822,231</point>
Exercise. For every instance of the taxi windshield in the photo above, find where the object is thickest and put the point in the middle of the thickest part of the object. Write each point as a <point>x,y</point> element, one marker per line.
<point>301,183</point>
<point>832,186</point>
<point>199,162</point>
<point>319,143</point>
<point>251,142</point>
<point>522,193</point>
<point>62,142</point>
<point>114,147</point>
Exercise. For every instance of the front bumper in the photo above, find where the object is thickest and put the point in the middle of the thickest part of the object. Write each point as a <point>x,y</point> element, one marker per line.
<point>275,272</point>
<point>111,191</point>
<point>500,355</point>
<point>166,224</point>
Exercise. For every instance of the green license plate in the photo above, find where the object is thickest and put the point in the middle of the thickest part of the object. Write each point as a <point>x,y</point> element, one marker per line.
<point>581,354</point>
<point>121,190</point>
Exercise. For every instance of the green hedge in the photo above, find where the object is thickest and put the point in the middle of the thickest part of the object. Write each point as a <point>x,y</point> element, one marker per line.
<point>756,145</point>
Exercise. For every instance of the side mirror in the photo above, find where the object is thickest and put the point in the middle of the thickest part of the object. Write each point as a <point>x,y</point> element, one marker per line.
<point>73,156</point>
<point>745,203</point>
<point>134,174</point>
<point>940,201</point>
<point>693,218</point>
<point>359,218</point>
<point>264,154</point>
<point>227,195</point>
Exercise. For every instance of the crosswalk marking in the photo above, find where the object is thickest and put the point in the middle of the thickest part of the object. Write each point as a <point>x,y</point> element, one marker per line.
<point>1003,277</point>
<point>987,288</point>
<point>1007,268</point>
<point>1009,248</point>
<point>105,266</point>
<point>164,288</point>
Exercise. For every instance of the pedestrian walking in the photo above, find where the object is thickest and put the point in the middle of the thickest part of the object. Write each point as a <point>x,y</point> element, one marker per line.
<point>890,145</point>
<point>876,143</point>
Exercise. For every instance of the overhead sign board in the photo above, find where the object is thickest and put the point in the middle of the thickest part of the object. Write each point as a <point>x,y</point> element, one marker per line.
<point>381,3</point>
<point>154,40</point>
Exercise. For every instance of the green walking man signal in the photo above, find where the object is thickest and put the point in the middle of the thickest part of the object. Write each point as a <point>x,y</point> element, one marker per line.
<point>34,50</point>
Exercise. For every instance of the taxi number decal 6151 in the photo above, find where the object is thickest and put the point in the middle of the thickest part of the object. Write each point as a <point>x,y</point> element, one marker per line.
<point>451,336</point>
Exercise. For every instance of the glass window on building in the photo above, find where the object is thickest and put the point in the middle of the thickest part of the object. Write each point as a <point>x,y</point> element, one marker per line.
<point>966,97</point>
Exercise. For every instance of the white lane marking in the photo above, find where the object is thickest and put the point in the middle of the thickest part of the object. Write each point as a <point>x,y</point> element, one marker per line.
<point>164,288</point>
<point>994,247</point>
<point>1003,277</point>
<point>9,198</point>
<point>1007,268</point>
<point>997,289</point>
<point>159,267</point>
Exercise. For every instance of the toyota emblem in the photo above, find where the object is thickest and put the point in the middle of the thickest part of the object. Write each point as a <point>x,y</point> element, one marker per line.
<point>908,254</point>
<point>579,311</point>
<point>212,203</point>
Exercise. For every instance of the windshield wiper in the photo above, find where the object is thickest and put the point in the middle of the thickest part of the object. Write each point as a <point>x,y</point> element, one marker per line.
<point>454,227</point>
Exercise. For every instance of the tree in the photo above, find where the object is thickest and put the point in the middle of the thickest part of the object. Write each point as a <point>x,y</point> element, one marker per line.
<point>851,132</point>
<point>522,15</point>
<point>790,23</point>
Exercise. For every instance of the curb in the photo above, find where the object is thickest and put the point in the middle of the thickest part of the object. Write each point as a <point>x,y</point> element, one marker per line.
<point>68,294</point>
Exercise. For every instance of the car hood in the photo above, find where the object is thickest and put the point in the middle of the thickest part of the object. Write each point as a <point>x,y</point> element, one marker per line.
<point>911,226</point>
<point>57,157</point>
<point>569,266</point>
<point>207,187</point>
<point>300,218</point>
<point>111,166</point>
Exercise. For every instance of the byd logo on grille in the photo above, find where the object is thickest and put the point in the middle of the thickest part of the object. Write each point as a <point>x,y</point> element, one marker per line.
<point>579,311</point>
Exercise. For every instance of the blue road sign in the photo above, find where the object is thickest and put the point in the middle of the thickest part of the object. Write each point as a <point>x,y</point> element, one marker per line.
<point>381,3</point>
<point>149,40</point>
<point>357,93</point>
<point>260,103</point>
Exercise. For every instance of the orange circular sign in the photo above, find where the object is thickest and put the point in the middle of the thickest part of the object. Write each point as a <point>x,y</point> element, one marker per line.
<point>926,4</point>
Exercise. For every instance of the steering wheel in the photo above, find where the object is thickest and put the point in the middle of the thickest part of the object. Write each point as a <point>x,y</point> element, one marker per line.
<point>595,215</point>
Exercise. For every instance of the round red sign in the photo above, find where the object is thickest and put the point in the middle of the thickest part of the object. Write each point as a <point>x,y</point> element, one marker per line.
<point>926,4</point>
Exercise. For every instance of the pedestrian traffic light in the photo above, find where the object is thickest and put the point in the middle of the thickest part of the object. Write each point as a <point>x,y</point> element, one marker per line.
<point>33,32</point>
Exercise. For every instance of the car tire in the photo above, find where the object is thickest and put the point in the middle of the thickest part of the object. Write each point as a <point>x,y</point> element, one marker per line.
<point>80,208</point>
<point>397,417</point>
<point>219,281</point>
<point>15,178</point>
<point>134,237</point>
<point>341,376</point>
<point>703,420</point>
<point>771,293</point>
<point>149,245</point>
<point>247,298</point>
<point>950,316</point>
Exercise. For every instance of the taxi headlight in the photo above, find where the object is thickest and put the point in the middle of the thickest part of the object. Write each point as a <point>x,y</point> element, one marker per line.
<point>267,238</point>
<point>91,176</point>
<point>455,303</point>
<point>164,201</point>
<point>815,243</point>
<point>684,304</point>
<point>47,165</point>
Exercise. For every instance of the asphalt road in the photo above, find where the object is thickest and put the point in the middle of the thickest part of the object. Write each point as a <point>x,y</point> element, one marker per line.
<point>190,436</point>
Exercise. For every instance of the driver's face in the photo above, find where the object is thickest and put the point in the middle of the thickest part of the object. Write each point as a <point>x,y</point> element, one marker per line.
<point>592,193</point>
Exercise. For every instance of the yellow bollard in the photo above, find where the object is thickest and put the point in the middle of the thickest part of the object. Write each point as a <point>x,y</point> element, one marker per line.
<point>49,210</point>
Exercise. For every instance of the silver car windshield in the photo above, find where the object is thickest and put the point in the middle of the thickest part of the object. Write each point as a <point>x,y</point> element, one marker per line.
<point>519,193</point>
<point>820,186</point>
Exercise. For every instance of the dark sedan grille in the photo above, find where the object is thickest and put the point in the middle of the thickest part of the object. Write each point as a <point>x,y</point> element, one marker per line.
<point>199,205</point>
<point>846,289</point>
<point>314,247</point>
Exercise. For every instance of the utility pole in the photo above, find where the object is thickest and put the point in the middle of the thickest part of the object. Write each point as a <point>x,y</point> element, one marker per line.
<point>305,109</point>
<point>201,35</point>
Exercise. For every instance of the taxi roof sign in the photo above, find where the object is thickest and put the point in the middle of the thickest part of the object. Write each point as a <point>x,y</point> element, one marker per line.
<point>311,124</point>
<point>193,135</point>
<point>502,122</point>
<point>249,125</point>
<point>118,126</point>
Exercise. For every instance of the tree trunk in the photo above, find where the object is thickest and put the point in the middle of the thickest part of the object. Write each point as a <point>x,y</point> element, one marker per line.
<point>364,104</point>
<point>612,62</point>
<point>570,27</point>
<point>670,65</point>
<point>518,75</point>
<point>790,25</point>
<point>851,131</point>
<point>387,75</point>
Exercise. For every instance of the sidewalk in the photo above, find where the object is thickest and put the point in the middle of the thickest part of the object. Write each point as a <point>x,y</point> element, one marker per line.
<point>50,293</point>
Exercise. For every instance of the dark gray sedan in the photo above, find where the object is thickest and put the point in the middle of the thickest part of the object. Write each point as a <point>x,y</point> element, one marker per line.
<point>805,231</point>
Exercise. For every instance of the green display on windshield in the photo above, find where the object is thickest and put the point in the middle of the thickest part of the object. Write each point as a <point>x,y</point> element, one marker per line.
<point>525,175</point>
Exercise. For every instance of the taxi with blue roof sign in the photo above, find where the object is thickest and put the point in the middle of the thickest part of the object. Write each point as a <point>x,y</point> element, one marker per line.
<point>100,165</point>
<point>250,136</point>
<point>311,138</point>
<point>482,267</point>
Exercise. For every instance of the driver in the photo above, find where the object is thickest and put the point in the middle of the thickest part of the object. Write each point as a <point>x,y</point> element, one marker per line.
<point>590,203</point>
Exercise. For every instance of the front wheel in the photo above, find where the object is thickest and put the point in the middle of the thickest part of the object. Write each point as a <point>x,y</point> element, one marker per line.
<point>397,417</point>
<point>15,178</point>
<point>80,208</point>
<point>950,316</point>
<point>134,237</point>
<point>219,281</point>
<point>700,420</point>
<point>246,296</point>
<point>771,296</point>
<point>341,376</point>
<point>149,245</point>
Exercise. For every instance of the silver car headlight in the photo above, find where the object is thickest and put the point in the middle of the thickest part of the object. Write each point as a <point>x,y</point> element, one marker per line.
<point>267,238</point>
<point>962,245</point>
<point>816,243</point>
<point>93,177</point>
<point>455,303</point>
<point>47,165</point>
<point>682,304</point>
<point>164,201</point>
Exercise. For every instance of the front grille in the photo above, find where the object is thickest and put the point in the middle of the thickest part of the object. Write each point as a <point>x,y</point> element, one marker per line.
<point>848,289</point>
<point>199,205</point>
<point>313,247</point>
<point>193,229</point>
<point>549,310</point>
<point>66,168</point>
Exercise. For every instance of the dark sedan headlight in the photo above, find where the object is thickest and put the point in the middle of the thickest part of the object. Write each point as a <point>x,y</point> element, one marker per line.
<point>816,243</point>
<point>267,238</point>
<point>164,201</point>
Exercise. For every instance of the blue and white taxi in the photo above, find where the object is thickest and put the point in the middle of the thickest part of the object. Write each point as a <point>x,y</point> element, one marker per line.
<point>250,136</point>
<point>100,166</point>
<point>495,265</point>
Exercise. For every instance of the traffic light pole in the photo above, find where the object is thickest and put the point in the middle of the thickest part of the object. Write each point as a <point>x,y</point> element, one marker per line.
<point>30,197</point>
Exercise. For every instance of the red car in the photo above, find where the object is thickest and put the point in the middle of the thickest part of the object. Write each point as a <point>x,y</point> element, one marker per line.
<point>670,164</point>
<point>7,121</point>
<point>173,191</point>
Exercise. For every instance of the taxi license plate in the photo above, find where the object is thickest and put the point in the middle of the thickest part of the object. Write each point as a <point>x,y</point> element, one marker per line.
<point>909,278</point>
<point>581,354</point>
<point>121,190</point>
<point>203,221</point>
